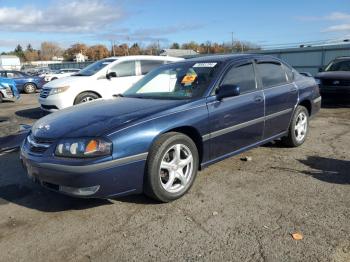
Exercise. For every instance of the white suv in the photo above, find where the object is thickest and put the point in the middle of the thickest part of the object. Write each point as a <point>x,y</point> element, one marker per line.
<point>102,79</point>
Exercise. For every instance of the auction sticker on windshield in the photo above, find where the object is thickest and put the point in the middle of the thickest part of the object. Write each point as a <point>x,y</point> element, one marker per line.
<point>205,65</point>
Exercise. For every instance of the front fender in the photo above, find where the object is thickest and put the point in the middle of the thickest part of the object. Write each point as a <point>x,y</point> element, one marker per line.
<point>138,138</point>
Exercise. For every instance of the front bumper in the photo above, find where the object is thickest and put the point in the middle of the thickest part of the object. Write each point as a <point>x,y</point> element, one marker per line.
<point>53,103</point>
<point>7,94</point>
<point>110,178</point>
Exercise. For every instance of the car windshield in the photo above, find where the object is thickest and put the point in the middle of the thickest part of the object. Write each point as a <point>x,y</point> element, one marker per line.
<point>340,65</point>
<point>95,67</point>
<point>186,80</point>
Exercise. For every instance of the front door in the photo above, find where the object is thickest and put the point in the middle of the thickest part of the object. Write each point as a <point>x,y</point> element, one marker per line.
<point>127,75</point>
<point>236,122</point>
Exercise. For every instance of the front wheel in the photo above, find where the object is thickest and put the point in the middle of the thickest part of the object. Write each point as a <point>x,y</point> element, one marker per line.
<point>172,167</point>
<point>85,97</point>
<point>299,128</point>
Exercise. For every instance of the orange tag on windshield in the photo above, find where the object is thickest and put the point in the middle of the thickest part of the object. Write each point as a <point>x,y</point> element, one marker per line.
<point>188,79</point>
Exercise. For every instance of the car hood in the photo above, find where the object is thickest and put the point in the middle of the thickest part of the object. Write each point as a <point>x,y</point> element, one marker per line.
<point>99,117</point>
<point>66,81</point>
<point>336,75</point>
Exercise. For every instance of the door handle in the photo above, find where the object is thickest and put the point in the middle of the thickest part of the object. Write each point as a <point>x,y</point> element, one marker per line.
<point>258,99</point>
<point>293,90</point>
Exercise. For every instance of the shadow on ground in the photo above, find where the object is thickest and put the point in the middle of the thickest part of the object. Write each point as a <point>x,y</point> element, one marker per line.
<point>328,169</point>
<point>16,188</point>
<point>32,113</point>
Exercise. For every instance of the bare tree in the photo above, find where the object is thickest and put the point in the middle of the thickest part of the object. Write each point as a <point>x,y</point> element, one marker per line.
<point>49,49</point>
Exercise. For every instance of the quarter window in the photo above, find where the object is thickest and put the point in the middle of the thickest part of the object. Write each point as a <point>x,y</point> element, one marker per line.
<point>149,65</point>
<point>271,74</point>
<point>242,76</point>
<point>126,68</point>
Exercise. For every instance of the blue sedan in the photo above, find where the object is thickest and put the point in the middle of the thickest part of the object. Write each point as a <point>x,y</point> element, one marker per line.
<point>177,120</point>
<point>24,82</point>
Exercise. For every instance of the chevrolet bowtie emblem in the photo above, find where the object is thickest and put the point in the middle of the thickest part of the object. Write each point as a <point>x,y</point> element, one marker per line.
<point>44,127</point>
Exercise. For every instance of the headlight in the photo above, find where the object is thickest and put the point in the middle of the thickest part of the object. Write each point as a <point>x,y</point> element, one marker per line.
<point>83,147</point>
<point>57,90</point>
<point>318,81</point>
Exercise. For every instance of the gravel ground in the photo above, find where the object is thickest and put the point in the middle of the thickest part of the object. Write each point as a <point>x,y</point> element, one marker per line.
<point>236,211</point>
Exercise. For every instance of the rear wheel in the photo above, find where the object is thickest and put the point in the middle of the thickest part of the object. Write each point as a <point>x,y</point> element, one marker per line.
<point>171,167</point>
<point>29,88</point>
<point>298,129</point>
<point>0,98</point>
<point>85,97</point>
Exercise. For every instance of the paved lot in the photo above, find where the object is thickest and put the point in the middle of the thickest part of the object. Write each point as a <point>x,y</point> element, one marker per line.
<point>236,211</point>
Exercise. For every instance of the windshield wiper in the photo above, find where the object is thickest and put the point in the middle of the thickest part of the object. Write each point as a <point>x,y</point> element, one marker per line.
<point>118,95</point>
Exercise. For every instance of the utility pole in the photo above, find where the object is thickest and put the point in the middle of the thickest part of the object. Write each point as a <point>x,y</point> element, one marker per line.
<point>232,42</point>
<point>113,43</point>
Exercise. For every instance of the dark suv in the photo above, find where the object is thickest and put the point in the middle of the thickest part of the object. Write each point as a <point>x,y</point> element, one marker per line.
<point>335,78</point>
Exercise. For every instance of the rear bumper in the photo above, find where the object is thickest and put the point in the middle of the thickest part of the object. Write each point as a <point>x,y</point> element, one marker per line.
<point>118,177</point>
<point>316,106</point>
<point>335,90</point>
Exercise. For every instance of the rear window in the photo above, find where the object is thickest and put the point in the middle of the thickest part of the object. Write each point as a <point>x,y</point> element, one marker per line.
<point>271,74</point>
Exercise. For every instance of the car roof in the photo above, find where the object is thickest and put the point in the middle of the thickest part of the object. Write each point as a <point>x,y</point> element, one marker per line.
<point>151,57</point>
<point>230,57</point>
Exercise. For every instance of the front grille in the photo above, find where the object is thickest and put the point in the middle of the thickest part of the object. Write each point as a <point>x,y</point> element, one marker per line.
<point>335,82</point>
<point>44,93</point>
<point>38,145</point>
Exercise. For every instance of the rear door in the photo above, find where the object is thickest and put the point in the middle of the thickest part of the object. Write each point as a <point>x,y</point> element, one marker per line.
<point>236,122</point>
<point>281,96</point>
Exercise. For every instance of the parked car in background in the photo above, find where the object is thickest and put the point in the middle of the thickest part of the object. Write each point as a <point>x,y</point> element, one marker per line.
<point>334,80</point>
<point>53,75</point>
<point>180,117</point>
<point>24,82</point>
<point>8,90</point>
<point>102,79</point>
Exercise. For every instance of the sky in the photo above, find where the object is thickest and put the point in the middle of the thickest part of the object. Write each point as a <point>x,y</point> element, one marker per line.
<point>268,23</point>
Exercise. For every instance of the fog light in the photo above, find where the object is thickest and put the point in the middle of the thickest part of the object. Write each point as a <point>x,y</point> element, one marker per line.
<point>82,191</point>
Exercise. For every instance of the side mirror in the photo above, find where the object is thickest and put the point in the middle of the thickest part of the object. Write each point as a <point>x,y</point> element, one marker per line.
<point>227,91</point>
<point>306,74</point>
<point>111,74</point>
<point>320,69</point>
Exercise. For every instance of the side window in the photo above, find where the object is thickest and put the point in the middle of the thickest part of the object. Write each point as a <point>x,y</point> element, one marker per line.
<point>242,76</point>
<point>271,74</point>
<point>126,68</point>
<point>289,72</point>
<point>149,65</point>
<point>3,74</point>
<point>12,75</point>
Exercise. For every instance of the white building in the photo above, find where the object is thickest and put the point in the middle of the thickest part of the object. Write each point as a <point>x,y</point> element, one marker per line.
<point>178,52</point>
<point>10,62</point>
<point>80,58</point>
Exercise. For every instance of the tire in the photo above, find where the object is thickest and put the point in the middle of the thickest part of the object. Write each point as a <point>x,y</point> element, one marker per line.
<point>0,98</point>
<point>297,135</point>
<point>29,88</point>
<point>175,179</point>
<point>85,97</point>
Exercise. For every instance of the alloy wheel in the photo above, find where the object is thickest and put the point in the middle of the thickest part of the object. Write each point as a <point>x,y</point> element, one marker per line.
<point>300,128</point>
<point>176,168</point>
